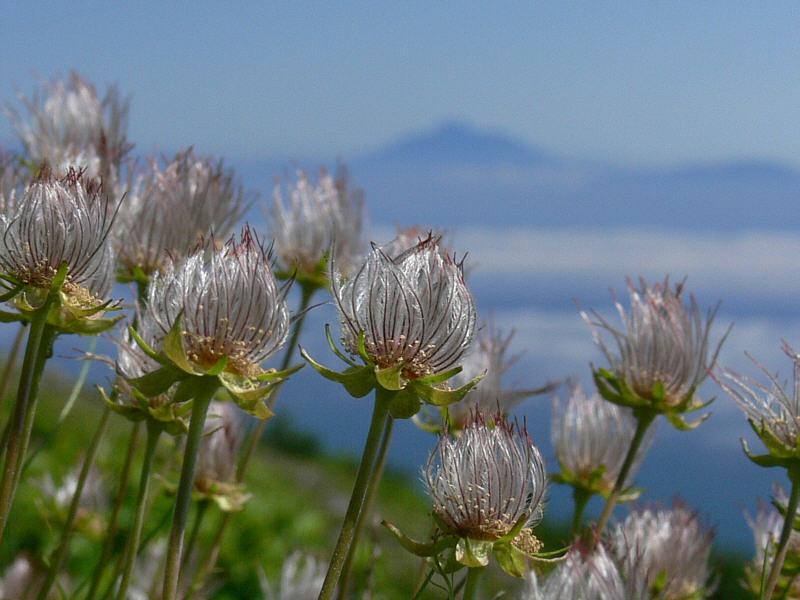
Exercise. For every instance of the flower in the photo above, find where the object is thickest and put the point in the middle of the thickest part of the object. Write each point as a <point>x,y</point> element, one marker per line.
<point>70,125</point>
<point>168,211</point>
<point>488,355</point>
<point>219,312</point>
<point>772,411</point>
<point>585,574</point>
<point>413,308</point>
<point>591,438</point>
<point>12,182</point>
<point>487,485</point>
<point>664,553</point>
<point>60,222</point>
<point>302,577</point>
<point>215,474</point>
<point>662,355</point>
<point>318,216</point>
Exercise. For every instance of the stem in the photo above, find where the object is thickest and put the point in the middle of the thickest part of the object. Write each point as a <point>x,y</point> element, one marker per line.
<point>61,551</point>
<point>200,512</point>
<point>786,532</point>
<point>582,497</point>
<point>8,368</point>
<point>79,383</point>
<point>643,420</point>
<point>119,499</point>
<point>380,415</point>
<point>369,500</point>
<point>21,423</point>
<point>473,579</point>
<point>153,434</point>
<point>184,497</point>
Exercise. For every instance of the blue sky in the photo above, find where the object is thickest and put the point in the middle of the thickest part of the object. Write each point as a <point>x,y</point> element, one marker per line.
<point>644,83</point>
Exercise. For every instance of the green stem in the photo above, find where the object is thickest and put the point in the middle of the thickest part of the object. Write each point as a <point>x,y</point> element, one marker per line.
<point>61,551</point>
<point>183,500</point>
<point>369,500</point>
<point>644,418</point>
<point>473,579</point>
<point>153,434</point>
<point>380,415</point>
<point>582,497</point>
<point>5,377</point>
<point>786,532</point>
<point>200,512</point>
<point>79,383</point>
<point>252,443</point>
<point>21,424</point>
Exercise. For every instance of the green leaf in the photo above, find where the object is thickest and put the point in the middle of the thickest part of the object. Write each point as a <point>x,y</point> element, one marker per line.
<point>473,553</point>
<point>157,382</point>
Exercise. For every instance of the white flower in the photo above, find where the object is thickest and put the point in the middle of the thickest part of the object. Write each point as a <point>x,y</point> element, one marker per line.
<point>219,448</point>
<point>230,304</point>
<point>585,574</point>
<point>318,216</point>
<point>169,210</point>
<point>302,577</point>
<point>69,124</point>
<point>487,479</point>
<point>61,221</point>
<point>413,308</point>
<point>591,435</point>
<point>663,342</point>
<point>664,548</point>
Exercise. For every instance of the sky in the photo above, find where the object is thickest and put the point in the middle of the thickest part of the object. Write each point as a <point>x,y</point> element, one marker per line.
<point>634,83</point>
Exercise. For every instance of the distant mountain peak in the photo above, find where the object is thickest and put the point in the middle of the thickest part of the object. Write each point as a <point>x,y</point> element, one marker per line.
<point>455,142</point>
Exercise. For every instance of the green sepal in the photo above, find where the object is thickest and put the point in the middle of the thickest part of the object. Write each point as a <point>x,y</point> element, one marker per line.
<point>440,377</point>
<point>514,531</point>
<point>421,549</point>
<point>173,349</point>
<point>772,443</point>
<point>358,381</point>
<point>170,417</point>
<point>391,378</point>
<point>766,460</point>
<point>10,317</point>
<point>511,559</point>
<point>473,553</point>
<point>16,289</point>
<point>248,394</point>
<point>444,397</point>
<point>146,348</point>
<point>85,326</point>
<point>157,382</point>
<point>362,348</point>
<point>404,404</point>
<point>335,348</point>
<point>128,411</point>
<point>274,376</point>
<point>682,424</point>
<point>135,275</point>
<point>229,497</point>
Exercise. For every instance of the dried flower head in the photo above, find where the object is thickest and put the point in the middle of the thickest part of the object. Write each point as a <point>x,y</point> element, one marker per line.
<point>413,309</point>
<point>587,573</point>
<point>591,438</point>
<point>229,303</point>
<point>169,210</point>
<point>61,221</point>
<point>488,481</point>
<point>663,353</point>
<point>489,355</point>
<point>69,124</point>
<point>13,179</point>
<point>318,215</point>
<point>664,553</point>
<point>772,409</point>
<point>302,577</point>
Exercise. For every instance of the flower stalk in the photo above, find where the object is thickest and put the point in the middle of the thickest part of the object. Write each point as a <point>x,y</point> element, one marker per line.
<point>380,416</point>
<point>135,535</point>
<point>61,551</point>
<point>644,418</point>
<point>786,531</point>
<point>473,579</point>
<point>180,515</point>
<point>581,497</point>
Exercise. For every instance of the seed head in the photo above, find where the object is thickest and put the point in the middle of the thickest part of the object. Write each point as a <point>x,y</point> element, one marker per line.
<point>666,551</point>
<point>168,211</point>
<point>318,215</point>
<point>229,302</point>
<point>487,479</point>
<point>413,308</point>
<point>302,577</point>
<point>663,342</point>
<point>56,222</point>
<point>585,574</point>
<point>769,405</point>
<point>224,432</point>
<point>592,436</point>
<point>69,124</point>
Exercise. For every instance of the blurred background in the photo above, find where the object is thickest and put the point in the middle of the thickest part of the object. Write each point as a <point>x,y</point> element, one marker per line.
<point>563,146</point>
